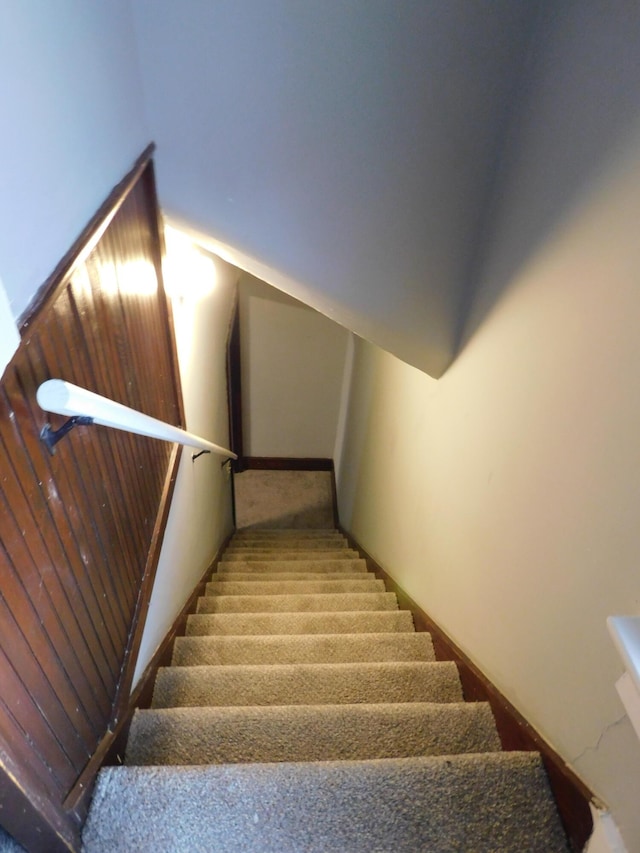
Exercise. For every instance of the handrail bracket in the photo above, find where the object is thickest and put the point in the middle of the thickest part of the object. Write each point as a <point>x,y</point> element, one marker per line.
<point>52,436</point>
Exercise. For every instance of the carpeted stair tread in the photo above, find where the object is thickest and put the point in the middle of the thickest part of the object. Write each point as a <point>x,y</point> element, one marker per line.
<point>309,733</point>
<point>288,544</point>
<point>305,603</point>
<point>302,713</point>
<point>318,648</point>
<point>268,577</point>
<point>305,684</point>
<point>268,554</point>
<point>310,566</point>
<point>300,623</point>
<point>297,587</point>
<point>296,532</point>
<point>481,803</point>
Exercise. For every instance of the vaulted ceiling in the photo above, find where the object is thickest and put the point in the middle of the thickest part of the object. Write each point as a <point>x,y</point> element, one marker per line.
<point>343,150</point>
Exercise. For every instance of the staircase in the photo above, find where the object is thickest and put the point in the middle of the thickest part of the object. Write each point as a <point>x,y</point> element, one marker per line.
<point>302,712</point>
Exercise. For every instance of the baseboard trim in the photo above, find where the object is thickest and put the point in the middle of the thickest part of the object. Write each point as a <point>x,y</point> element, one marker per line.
<point>142,694</point>
<point>516,733</point>
<point>286,463</point>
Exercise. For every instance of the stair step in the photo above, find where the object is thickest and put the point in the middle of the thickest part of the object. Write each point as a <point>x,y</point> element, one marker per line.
<point>317,648</point>
<point>486,802</point>
<point>288,544</point>
<point>295,587</point>
<point>297,603</point>
<point>306,684</point>
<point>291,554</point>
<point>307,566</point>
<point>300,623</point>
<point>291,533</point>
<point>268,577</point>
<point>309,733</point>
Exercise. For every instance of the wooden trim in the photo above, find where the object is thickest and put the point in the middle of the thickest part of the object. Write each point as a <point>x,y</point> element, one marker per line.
<point>86,241</point>
<point>284,463</point>
<point>35,824</point>
<point>334,498</point>
<point>77,796</point>
<point>143,692</point>
<point>234,389</point>
<point>571,794</point>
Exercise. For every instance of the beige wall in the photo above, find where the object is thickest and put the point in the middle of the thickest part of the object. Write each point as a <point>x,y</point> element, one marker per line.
<point>292,370</point>
<point>200,516</point>
<point>505,497</point>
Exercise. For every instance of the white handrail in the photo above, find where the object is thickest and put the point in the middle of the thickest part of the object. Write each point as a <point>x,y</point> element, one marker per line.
<point>625,633</point>
<point>63,398</point>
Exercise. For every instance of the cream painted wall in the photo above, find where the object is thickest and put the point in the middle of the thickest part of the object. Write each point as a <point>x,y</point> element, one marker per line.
<point>72,126</point>
<point>293,361</point>
<point>505,496</point>
<point>200,517</point>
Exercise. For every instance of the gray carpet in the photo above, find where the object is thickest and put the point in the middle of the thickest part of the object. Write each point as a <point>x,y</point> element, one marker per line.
<point>309,733</point>
<point>297,603</point>
<point>255,555</point>
<point>268,587</point>
<point>302,712</point>
<point>349,562</point>
<point>300,648</point>
<point>284,499</point>
<point>495,803</point>
<point>307,683</point>
<point>299,623</point>
<point>288,544</point>
<point>9,844</point>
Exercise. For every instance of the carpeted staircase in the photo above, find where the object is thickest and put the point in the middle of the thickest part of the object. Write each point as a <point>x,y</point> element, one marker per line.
<point>301,713</point>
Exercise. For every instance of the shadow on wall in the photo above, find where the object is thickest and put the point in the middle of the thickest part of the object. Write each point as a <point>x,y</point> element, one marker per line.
<point>578,120</point>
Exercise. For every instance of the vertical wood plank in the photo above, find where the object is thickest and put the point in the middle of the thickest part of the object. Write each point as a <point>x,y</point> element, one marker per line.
<point>80,530</point>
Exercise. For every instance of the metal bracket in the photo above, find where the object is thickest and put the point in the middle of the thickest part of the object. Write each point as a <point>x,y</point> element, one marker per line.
<point>194,456</point>
<point>51,437</point>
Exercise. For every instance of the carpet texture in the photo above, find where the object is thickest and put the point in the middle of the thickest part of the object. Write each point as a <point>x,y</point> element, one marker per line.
<point>284,499</point>
<point>348,562</point>
<point>290,555</point>
<point>495,803</point>
<point>309,733</point>
<point>303,713</point>
<point>307,683</point>
<point>287,586</point>
<point>299,623</point>
<point>301,603</point>
<point>319,648</point>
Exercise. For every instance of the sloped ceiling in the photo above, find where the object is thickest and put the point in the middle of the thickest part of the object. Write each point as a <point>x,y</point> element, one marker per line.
<point>342,150</point>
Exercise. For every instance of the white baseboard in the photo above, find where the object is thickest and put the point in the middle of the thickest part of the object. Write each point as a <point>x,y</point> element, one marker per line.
<point>606,836</point>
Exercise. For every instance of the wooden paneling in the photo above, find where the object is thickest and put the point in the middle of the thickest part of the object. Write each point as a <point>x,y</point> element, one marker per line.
<point>80,530</point>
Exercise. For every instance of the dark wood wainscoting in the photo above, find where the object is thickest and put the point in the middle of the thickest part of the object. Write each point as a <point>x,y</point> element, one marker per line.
<point>80,529</point>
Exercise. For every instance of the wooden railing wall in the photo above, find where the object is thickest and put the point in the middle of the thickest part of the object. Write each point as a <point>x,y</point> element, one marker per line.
<point>80,530</point>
